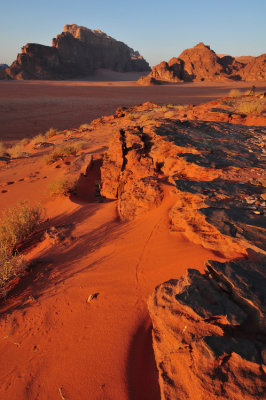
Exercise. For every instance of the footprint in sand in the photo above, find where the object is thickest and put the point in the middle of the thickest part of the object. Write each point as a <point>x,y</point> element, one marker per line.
<point>3,191</point>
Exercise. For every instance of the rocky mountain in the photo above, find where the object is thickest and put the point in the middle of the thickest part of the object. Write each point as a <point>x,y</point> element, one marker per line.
<point>76,52</point>
<point>200,63</point>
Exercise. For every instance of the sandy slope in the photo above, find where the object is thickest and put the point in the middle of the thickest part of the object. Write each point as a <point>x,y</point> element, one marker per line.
<point>52,338</point>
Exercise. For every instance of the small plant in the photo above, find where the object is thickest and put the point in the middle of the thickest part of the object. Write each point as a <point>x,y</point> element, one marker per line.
<point>38,139</point>
<point>84,126</point>
<point>50,133</point>
<point>62,151</point>
<point>16,225</point>
<point>250,107</point>
<point>235,93</point>
<point>24,142</point>
<point>169,114</point>
<point>16,151</point>
<point>63,187</point>
<point>2,149</point>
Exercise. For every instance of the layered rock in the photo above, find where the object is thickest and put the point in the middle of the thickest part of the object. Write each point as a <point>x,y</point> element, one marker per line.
<point>200,63</point>
<point>208,329</point>
<point>209,333</point>
<point>76,52</point>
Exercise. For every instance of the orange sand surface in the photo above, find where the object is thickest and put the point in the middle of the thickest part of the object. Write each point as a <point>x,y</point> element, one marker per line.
<point>30,107</point>
<point>53,340</point>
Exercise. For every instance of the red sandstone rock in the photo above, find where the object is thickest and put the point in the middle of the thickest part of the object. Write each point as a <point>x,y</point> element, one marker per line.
<point>200,63</point>
<point>209,332</point>
<point>76,52</point>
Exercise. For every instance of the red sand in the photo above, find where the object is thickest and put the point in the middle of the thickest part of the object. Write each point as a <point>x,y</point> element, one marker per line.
<point>52,339</point>
<point>30,107</point>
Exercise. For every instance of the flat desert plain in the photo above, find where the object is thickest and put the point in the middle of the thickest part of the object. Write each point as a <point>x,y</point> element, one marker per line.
<point>31,107</point>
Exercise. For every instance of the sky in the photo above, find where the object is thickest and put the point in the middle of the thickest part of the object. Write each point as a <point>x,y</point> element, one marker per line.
<point>159,30</point>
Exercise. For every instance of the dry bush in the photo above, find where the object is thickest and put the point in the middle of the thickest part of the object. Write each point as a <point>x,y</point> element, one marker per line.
<point>2,149</point>
<point>250,107</point>
<point>235,93</point>
<point>16,151</point>
<point>62,151</point>
<point>24,142</point>
<point>63,187</point>
<point>16,225</point>
<point>38,139</point>
<point>50,133</point>
<point>169,114</point>
<point>84,126</point>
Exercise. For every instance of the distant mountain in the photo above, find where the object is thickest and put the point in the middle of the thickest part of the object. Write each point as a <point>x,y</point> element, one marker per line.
<point>200,63</point>
<point>3,66</point>
<point>76,52</point>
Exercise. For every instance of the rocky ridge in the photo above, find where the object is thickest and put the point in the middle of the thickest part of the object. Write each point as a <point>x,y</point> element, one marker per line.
<point>76,52</point>
<point>200,63</point>
<point>208,329</point>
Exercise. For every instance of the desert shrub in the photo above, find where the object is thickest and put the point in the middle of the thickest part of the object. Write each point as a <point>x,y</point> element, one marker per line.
<point>38,139</point>
<point>17,224</point>
<point>235,93</point>
<point>2,149</point>
<point>62,151</point>
<point>250,107</point>
<point>84,126</point>
<point>63,187</point>
<point>24,142</point>
<point>16,150</point>
<point>169,114</point>
<point>50,133</point>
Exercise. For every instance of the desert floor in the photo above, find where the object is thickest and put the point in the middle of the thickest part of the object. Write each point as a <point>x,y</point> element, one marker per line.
<point>31,107</point>
<point>54,343</point>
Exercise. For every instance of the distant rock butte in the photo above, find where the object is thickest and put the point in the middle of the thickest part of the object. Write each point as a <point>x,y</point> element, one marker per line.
<point>76,52</point>
<point>200,63</point>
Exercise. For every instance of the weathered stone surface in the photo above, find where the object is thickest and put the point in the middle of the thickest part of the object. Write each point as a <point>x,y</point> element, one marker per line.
<point>128,174</point>
<point>76,52</point>
<point>209,332</point>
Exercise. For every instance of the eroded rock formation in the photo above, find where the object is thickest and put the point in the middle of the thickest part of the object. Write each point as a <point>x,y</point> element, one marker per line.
<point>209,332</point>
<point>76,52</point>
<point>200,63</point>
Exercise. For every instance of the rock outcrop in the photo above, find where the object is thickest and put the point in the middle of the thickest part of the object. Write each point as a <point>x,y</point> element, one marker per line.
<point>200,63</point>
<point>209,332</point>
<point>209,329</point>
<point>76,52</point>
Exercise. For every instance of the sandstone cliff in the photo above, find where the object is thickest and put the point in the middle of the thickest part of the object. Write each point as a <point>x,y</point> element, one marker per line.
<point>200,63</point>
<point>76,52</point>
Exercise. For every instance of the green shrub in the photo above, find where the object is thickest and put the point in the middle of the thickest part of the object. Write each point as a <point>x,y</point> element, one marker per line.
<point>63,187</point>
<point>250,107</point>
<point>16,225</point>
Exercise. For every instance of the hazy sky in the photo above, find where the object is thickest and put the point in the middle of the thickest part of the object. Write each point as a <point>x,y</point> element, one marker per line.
<point>159,30</point>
